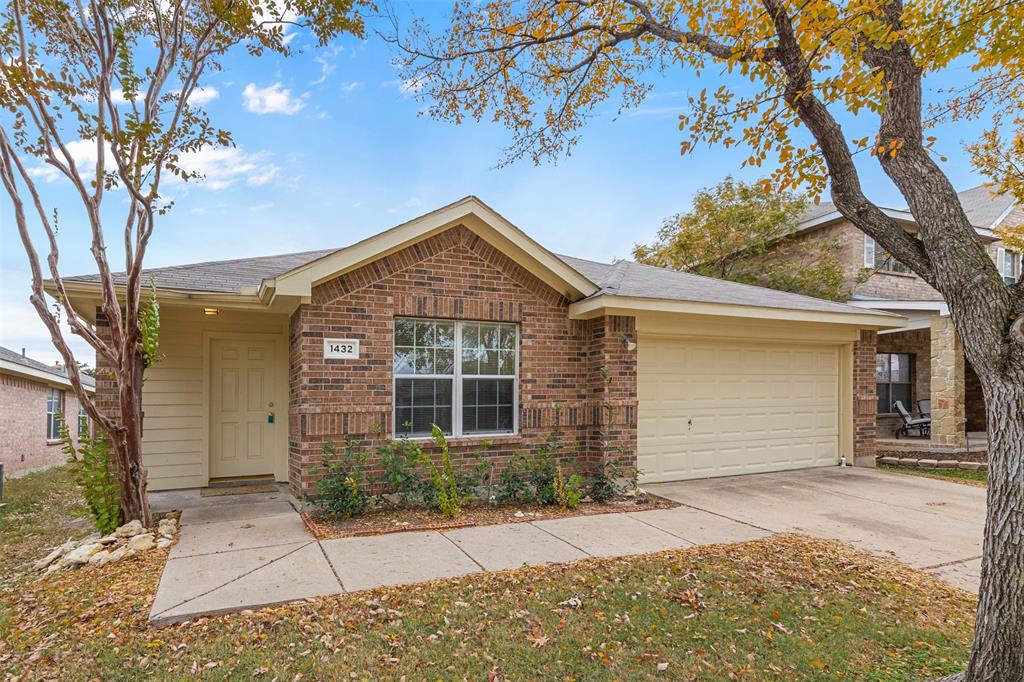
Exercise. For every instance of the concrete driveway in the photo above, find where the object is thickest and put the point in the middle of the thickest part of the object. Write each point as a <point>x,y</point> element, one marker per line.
<point>929,524</point>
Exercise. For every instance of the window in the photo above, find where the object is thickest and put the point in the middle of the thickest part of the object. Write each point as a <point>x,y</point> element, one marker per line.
<point>83,422</point>
<point>1009,265</point>
<point>877,259</point>
<point>461,376</point>
<point>893,376</point>
<point>54,403</point>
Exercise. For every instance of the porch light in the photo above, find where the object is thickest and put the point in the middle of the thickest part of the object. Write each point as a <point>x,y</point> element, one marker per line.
<point>628,343</point>
<point>210,311</point>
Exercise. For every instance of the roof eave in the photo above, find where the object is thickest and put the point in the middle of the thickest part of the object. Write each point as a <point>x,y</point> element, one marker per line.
<point>611,303</point>
<point>8,367</point>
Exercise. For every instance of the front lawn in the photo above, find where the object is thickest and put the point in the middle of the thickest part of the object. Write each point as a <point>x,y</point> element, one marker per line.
<point>975,478</point>
<point>782,608</point>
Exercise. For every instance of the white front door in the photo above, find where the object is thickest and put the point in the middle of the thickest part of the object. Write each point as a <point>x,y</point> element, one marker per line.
<point>241,396</point>
<point>719,407</point>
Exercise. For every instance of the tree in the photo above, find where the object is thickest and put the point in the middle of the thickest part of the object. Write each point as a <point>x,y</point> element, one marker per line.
<point>785,76</point>
<point>729,233</point>
<point>101,93</point>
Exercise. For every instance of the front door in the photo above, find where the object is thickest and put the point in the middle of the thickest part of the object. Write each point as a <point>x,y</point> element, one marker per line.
<point>241,401</point>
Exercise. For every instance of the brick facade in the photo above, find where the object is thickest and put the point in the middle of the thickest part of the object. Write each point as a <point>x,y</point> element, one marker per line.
<point>23,442</point>
<point>455,275</point>
<point>865,401</point>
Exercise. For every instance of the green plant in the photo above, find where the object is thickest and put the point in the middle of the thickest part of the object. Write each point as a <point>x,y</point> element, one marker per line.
<point>446,489</point>
<point>149,327</point>
<point>92,472</point>
<point>512,483</point>
<point>341,490</point>
<point>401,461</point>
<point>568,491</point>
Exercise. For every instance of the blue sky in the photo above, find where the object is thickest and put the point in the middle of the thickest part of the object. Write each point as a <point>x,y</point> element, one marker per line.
<point>330,149</point>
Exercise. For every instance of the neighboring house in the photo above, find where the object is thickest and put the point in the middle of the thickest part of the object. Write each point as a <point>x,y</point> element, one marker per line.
<point>33,399</point>
<point>460,319</point>
<point>922,360</point>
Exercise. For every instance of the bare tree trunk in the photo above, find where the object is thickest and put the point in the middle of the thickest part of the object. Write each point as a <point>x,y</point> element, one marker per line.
<point>128,444</point>
<point>998,652</point>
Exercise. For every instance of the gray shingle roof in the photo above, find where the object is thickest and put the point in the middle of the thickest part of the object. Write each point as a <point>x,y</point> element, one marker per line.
<point>224,276</point>
<point>19,359</point>
<point>625,278</point>
<point>983,208</point>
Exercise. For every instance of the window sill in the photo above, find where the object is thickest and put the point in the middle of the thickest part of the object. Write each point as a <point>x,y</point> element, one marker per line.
<point>55,441</point>
<point>906,275</point>
<point>497,439</point>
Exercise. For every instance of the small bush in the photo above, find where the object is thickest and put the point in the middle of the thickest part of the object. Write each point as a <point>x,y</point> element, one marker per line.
<point>568,491</point>
<point>512,484</point>
<point>94,474</point>
<point>405,482</point>
<point>342,491</point>
<point>446,489</point>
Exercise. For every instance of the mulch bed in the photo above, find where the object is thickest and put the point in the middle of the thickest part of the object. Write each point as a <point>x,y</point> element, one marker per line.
<point>390,520</point>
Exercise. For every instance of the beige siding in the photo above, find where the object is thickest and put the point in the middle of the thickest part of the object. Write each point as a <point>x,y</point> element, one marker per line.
<point>174,399</point>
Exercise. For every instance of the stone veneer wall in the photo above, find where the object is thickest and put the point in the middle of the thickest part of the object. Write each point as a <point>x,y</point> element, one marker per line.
<point>456,275</point>
<point>918,343</point>
<point>947,386</point>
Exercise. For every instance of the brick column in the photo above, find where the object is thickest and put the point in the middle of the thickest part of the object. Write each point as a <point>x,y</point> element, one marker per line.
<point>865,399</point>
<point>612,389</point>
<point>947,389</point>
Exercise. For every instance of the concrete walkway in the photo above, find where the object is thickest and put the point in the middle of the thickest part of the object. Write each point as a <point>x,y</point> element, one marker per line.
<point>247,551</point>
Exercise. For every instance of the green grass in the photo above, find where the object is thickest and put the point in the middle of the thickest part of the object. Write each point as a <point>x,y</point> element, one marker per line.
<point>783,608</point>
<point>958,475</point>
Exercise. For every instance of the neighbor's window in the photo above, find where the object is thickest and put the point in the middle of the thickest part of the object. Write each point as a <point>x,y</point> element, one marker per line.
<point>893,381</point>
<point>876,258</point>
<point>54,401</point>
<point>1009,265</point>
<point>83,422</point>
<point>459,375</point>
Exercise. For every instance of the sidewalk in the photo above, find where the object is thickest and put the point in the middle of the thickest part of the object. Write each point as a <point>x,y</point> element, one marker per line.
<point>253,550</point>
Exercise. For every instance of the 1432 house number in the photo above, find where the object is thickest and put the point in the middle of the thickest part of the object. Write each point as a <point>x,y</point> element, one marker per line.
<point>341,349</point>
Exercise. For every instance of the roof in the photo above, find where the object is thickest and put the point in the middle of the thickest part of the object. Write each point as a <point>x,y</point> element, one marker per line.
<point>626,278</point>
<point>10,357</point>
<point>985,210</point>
<point>223,276</point>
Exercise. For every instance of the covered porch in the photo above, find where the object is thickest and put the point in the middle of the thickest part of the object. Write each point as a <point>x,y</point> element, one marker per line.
<point>922,366</point>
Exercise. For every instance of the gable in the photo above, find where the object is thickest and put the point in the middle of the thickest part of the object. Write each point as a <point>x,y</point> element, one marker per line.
<point>455,264</point>
<point>469,213</point>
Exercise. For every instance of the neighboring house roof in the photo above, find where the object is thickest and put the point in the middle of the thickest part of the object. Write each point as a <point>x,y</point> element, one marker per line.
<point>633,280</point>
<point>264,280</point>
<point>13,362</point>
<point>985,210</point>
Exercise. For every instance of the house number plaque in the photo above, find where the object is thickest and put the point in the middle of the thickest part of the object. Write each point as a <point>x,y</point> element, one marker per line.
<point>341,349</point>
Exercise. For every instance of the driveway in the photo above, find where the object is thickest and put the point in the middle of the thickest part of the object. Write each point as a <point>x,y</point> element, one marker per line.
<point>932,525</point>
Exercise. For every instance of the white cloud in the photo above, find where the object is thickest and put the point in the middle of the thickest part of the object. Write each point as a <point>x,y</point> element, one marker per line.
<point>82,151</point>
<point>222,167</point>
<point>20,326</point>
<point>408,87</point>
<point>273,99</point>
<point>203,94</point>
<point>326,60</point>
<point>349,87</point>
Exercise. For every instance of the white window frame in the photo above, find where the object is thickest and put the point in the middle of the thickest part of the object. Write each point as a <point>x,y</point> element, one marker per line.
<point>456,377</point>
<point>54,406</point>
<point>1009,264</point>
<point>869,252</point>
<point>871,247</point>
<point>83,415</point>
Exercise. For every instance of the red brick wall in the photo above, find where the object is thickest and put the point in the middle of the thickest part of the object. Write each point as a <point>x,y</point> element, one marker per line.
<point>23,443</point>
<point>865,401</point>
<point>454,275</point>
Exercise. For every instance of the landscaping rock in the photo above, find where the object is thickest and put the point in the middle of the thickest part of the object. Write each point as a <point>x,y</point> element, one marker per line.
<point>141,543</point>
<point>130,529</point>
<point>970,466</point>
<point>118,554</point>
<point>167,528</point>
<point>983,466</point>
<point>108,539</point>
<point>100,558</point>
<point>891,461</point>
<point>927,463</point>
<point>57,553</point>
<point>908,462</point>
<point>161,543</point>
<point>81,554</point>
<point>946,464</point>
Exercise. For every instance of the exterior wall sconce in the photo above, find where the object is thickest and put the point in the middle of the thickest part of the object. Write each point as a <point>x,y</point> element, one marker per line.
<point>210,311</point>
<point>628,343</point>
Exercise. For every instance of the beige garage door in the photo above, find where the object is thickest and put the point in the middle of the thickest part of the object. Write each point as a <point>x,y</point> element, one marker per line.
<point>721,407</point>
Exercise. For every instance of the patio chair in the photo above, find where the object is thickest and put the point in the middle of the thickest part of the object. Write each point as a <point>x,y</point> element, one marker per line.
<point>922,424</point>
<point>924,407</point>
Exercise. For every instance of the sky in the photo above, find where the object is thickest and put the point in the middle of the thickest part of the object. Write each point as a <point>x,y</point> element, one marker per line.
<point>332,147</point>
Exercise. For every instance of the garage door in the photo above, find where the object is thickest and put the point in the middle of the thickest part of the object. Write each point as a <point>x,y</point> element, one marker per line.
<point>721,407</point>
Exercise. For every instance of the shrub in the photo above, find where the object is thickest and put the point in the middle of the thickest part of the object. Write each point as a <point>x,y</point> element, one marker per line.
<point>609,482</point>
<point>342,491</point>
<point>540,472</point>
<point>512,484</point>
<point>401,460</point>
<point>94,475</point>
<point>446,489</point>
<point>568,492</point>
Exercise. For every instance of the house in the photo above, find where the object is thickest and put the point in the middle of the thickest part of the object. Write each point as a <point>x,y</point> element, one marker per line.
<point>34,397</point>
<point>921,360</point>
<point>459,318</point>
